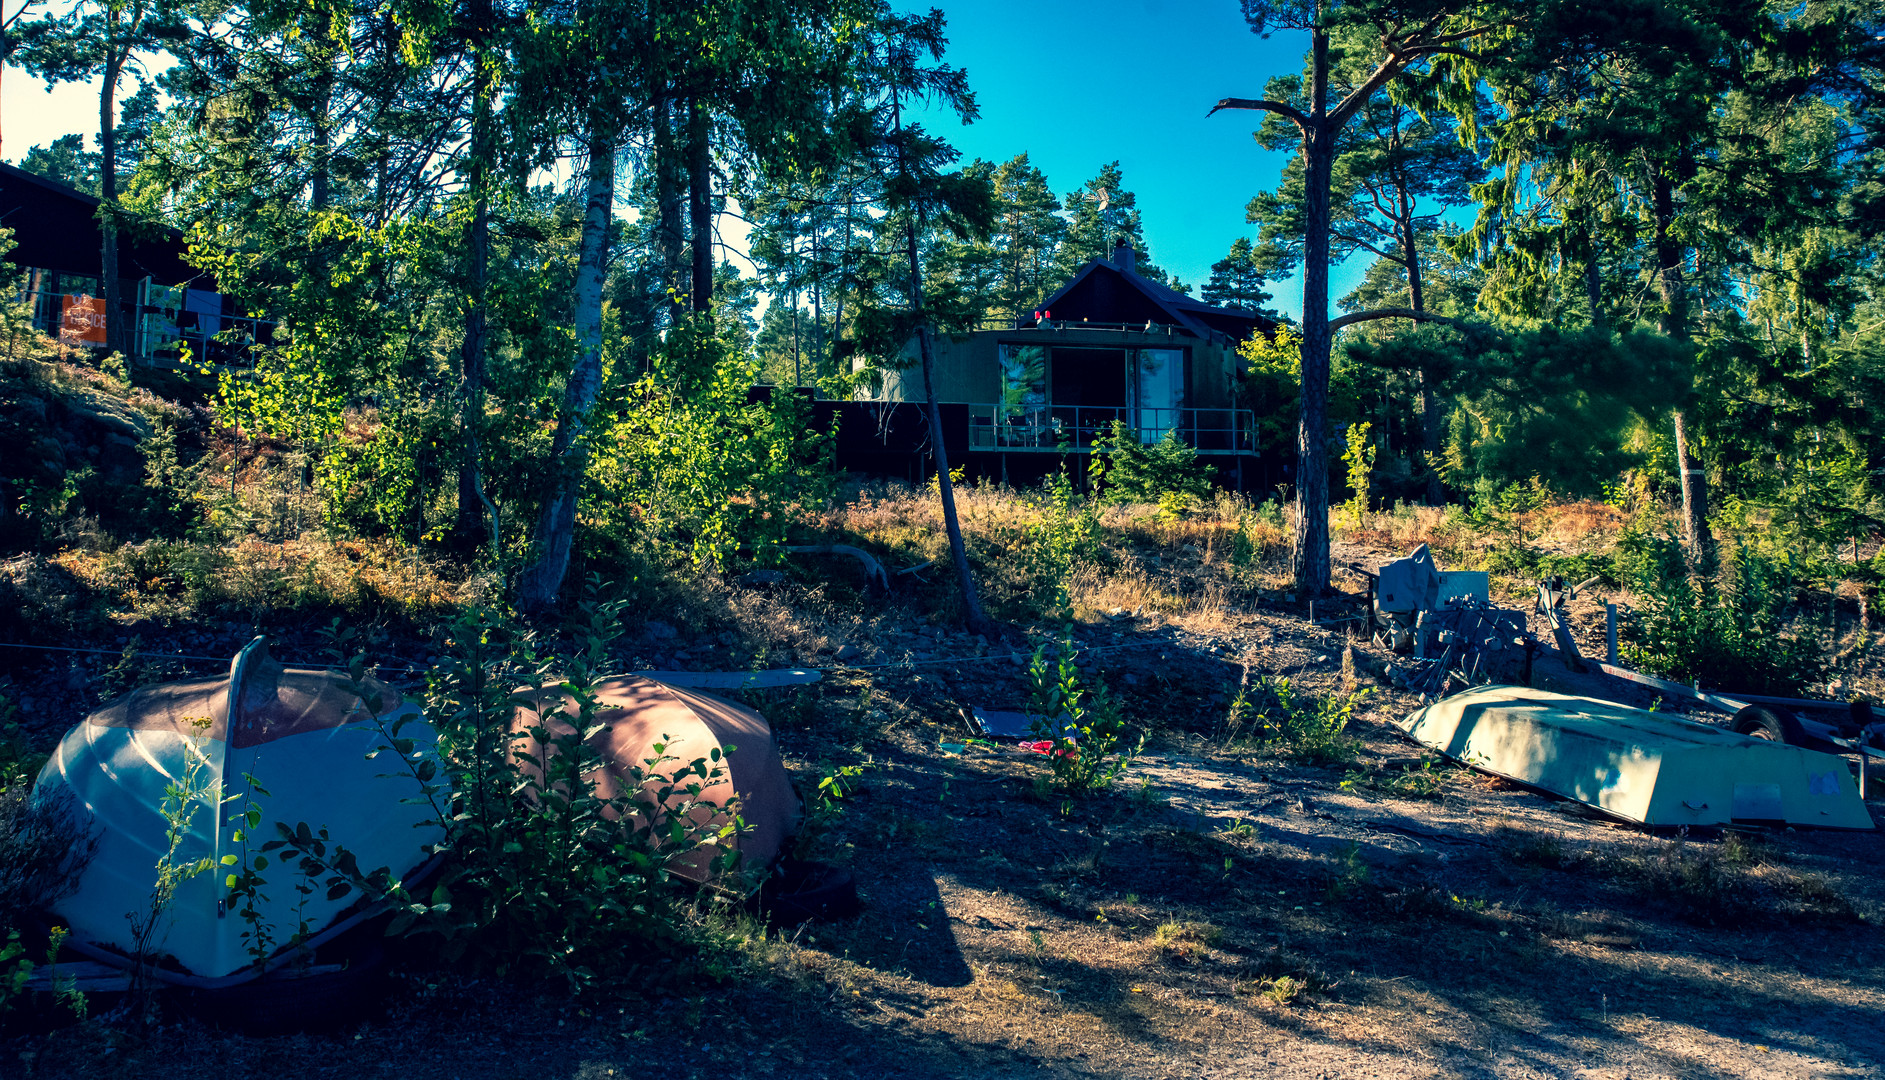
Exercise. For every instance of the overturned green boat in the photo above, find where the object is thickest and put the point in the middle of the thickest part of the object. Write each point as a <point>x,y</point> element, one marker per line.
<point>1641,766</point>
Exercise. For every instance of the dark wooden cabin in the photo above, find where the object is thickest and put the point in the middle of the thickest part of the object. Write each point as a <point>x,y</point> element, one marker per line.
<point>1110,345</point>
<point>166,303</point>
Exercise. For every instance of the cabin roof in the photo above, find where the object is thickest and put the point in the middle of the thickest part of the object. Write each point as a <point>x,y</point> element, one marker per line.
<point>55,227</point>
<point>1103,291</point>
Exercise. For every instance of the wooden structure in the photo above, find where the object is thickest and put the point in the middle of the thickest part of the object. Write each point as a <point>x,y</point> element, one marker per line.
<point>1110,345</point>
<point>166,304</point>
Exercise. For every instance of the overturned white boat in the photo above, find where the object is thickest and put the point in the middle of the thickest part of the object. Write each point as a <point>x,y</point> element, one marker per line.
<point>1653,768</point>
<point>195,758</point>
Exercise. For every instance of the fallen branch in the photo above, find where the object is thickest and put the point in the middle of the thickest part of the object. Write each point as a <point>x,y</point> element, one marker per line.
<point>873,570</point>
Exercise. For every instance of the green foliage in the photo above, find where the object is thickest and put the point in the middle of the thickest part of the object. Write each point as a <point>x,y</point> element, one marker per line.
<point>1359,457</point>
<point>245,881</point>
<point>1010,271</point>
<point>546,876</point>
<point>1730,634</point>
<point>1237,280</point>
<point>1099,215</point>
<point>15,969</point>
<point>65,160</point>
<point>1308,727</point>
<point>343,338</point>
<point>1424,781</point>
<point>688,459</point>
<point>44,848</point>
<point>824,805</point>
<point>1547,403</point>
<point>1351,874</point>
<point>1127,469</point>
<point>1065,533</point>
<point>1090,739</point>
<point>187,795</point>
<point>1271,387</point>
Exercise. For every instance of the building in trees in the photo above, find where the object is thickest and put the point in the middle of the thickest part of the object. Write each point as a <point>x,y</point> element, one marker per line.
<point>1109,345</point>
<point>167,302</point>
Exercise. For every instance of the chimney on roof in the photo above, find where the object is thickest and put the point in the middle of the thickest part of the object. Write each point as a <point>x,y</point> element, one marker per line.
<point>1122,254</point>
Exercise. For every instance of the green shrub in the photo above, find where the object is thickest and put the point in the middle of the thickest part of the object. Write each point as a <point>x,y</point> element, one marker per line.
<point>1065,533</point>
<point>1727,633</point>
<point>690,458</point>
<point>545,878</point>
<point>1166,472</point>
<point>1086,729</point>
<point>1308,727</point>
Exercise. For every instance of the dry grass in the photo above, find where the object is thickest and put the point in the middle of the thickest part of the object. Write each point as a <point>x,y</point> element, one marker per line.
<point>168,581</point>
<point>1185,940</point>
<point>1189,568</point>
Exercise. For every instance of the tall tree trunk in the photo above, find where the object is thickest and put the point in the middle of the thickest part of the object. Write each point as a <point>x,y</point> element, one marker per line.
<point>108,205</point>
<point>670,202</point>
<point>1594,291</point>
<point>1429,401</point>
<point>1674,322</point>
<point>539,584</point>
<point>700,199</point>
<point>818,313</point>
<point>471,497</point>
<point>976,619</point>
<point>837,315</point>
<point>1312,432</point>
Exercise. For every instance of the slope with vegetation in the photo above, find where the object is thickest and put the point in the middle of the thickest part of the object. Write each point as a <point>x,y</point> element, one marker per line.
<point>504,425</point>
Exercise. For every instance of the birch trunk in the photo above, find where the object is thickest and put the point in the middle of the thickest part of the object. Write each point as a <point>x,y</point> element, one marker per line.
<point>1698,540</point>
<point>539,584</point>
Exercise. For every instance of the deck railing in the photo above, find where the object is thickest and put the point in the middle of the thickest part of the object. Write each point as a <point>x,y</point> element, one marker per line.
<point>1072,428</point>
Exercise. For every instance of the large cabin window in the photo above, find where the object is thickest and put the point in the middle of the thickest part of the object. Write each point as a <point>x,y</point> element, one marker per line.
<point>1159,392</point>
<point>1089,378</point>
<point>1023,390</point>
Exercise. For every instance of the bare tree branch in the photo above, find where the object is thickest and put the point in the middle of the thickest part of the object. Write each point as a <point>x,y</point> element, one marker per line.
<point>1380,77</point>
<point>1280,108</point>
<point>1398,313</point>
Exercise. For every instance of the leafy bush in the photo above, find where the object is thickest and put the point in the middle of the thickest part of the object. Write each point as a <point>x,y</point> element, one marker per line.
<point>1088,734</point>
<point>1165,472</point>
<point>1721,634</point>
<point>1359,457</point>
<point>1310,727</point>
<point>545,877</point>
<point>691,458</point>
<point>1063,534</point>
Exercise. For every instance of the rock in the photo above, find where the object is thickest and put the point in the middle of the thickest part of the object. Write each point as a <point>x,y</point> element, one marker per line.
<point>849,652</point>
<point>656,630</point>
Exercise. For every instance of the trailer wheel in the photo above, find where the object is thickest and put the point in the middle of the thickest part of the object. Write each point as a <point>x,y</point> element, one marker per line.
<point>1769,722</point>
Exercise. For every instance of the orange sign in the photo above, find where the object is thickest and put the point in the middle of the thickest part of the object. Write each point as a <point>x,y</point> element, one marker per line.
<point>82,320</point>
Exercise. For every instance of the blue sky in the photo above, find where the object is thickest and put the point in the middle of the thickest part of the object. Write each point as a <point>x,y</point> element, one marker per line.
<point>1079,84</point>
<point>1075,84</point>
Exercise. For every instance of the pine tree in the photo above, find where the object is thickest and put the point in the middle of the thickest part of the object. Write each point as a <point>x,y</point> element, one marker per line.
<point>103,40</point>
<point>1385,43</point>
<point>1100,216</point>
<point>1238,281</point>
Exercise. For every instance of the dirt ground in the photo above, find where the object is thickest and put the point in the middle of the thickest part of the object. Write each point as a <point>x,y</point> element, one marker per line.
<point>1218,913</point>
